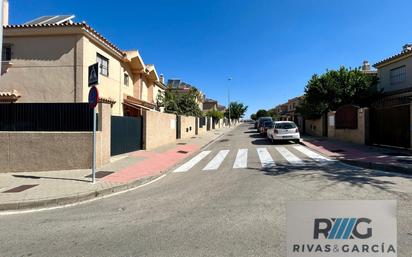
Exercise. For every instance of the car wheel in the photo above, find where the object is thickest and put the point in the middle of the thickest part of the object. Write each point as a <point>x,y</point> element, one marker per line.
<point>296,141</point>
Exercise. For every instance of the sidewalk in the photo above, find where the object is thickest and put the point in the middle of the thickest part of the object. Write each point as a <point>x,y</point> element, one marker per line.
<point>27,190</point>
<point>381,158</point>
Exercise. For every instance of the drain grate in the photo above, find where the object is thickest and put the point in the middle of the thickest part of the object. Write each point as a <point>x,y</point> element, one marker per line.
<point>183,152</point>
<point>193,137</point>
<point>101,174</point>
<point>20,188</point>
<point>181,143</point>
<point>224,140</point>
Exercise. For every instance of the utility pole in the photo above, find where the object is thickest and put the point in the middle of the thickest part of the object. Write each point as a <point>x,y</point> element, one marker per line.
<point>228,100</point>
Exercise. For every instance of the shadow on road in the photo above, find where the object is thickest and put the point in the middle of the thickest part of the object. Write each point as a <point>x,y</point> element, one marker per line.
<point>335,173</point>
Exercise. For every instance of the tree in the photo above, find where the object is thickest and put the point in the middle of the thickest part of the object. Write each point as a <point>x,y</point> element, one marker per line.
<point>273,113</point>
<point>261,113</point>
<point>237,110</point>
<point>253,116</point>
<point>336,88</point>
<point>215,114</point>
<point>187,104</point>
<point>180,103</point>
<point>168,101</point>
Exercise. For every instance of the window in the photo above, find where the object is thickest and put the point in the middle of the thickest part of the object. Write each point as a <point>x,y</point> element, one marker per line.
<point>103,65</point>
<point>398,75</point>
<point>6,53</point>
<point>126,79</point>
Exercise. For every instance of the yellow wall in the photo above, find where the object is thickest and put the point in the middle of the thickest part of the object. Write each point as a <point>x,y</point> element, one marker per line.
<point>159,129</point>
<point>43,68</point>
<point>109,86</point>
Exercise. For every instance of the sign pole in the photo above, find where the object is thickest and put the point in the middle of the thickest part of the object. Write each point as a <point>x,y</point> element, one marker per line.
<point>94,147</point>
<point>93,100</point>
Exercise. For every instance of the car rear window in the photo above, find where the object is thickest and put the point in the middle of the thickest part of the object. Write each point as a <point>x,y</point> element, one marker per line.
<point>285,125</point>
<point>268,123</point>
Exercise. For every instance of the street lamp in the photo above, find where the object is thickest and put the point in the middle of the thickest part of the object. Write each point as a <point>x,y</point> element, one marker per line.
<point>228,100</point>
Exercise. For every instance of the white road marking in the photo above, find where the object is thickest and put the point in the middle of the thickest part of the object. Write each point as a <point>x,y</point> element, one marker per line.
<point>290,157</point>
<point>195,160</point>
<point>265,158</point>
<point>215,163</point>
<point>241,159</point>
<point>311,154</point>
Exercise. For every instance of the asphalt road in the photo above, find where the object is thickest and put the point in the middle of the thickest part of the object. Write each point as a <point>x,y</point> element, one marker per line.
<point>222,211</point>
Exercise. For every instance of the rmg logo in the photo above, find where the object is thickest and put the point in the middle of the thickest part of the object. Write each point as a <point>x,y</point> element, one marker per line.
<point>342,228</point>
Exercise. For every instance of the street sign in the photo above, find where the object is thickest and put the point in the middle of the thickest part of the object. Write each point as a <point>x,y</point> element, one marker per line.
<point>93,74</point>
<point>93,97</point>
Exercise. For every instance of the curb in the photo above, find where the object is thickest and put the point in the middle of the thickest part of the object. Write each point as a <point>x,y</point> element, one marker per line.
<point>78,199</point>
<point>378,166</point>
<point>67,200</point>
<point>368,165</point>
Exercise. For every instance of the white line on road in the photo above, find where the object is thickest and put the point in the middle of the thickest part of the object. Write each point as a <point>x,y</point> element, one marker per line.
<point>195,160</point>
<point>290,157</point>
<point>215,163</point>
<point>265,158</point>
<point>241,159</point>
<point>311,154</point>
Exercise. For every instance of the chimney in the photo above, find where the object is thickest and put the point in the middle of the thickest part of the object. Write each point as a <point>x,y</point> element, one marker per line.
<point>5,12</point>
<point>366,66</point>
<point>407,47</point>
<point>162,79</point>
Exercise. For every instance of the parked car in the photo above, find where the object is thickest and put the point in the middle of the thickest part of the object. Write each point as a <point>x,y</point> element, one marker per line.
<point>256,124</point>
<point>266,125</point>
<point>284,130</point>
<point>260,122</point>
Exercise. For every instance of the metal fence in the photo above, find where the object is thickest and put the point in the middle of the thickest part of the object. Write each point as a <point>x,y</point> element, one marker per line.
<point>46,117</point>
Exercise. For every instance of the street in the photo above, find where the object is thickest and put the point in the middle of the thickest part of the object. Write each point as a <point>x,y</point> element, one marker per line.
<point>228,200</point>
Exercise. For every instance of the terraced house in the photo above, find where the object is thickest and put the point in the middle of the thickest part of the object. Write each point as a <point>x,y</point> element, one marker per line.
<point>391,116</point>
<point>47,59</point>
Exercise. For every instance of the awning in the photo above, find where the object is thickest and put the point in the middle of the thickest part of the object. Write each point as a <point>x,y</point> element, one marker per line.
<point>137,103</point>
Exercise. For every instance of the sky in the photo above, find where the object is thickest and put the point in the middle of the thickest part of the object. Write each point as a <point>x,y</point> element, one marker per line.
<point>270,48</point>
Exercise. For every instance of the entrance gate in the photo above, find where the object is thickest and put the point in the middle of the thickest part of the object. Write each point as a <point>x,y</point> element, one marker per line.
<point>390,125</point>
<point>126,134</point>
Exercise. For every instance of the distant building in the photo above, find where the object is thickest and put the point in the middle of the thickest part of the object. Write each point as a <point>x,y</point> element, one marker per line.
<point>209,104</point>
<point>181,87</point>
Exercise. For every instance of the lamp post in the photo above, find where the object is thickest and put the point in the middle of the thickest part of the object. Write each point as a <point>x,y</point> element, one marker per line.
<point>228,100</point>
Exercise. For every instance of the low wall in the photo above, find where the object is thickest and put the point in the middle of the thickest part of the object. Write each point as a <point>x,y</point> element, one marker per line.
<point>158,129</point>
<point>314,127</point>
<point>26,151</point>
<point>45,151</point>
<point>359,135</point>
<point>187,126</point>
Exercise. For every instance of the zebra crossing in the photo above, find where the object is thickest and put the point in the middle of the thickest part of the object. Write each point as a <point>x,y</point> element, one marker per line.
<point>294,156</point>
